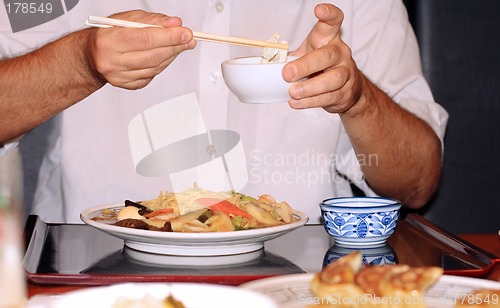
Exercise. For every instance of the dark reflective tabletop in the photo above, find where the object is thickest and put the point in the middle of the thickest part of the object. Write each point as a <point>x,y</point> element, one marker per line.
<point>80,254</point>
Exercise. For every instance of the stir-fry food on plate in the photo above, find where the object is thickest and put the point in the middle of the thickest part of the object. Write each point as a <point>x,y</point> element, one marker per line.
<point>199,210</point>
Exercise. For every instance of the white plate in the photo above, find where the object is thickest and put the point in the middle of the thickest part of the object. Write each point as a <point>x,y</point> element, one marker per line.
<point>192,295</point>
<point>292,291</point>
<point>191,244</point>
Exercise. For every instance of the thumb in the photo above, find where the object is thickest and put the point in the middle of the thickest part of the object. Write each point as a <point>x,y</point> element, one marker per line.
<point>329,23</point>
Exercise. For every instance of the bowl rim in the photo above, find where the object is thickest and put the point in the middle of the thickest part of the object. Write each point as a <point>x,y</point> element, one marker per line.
<point>237,61</point>
<point>360,204</point>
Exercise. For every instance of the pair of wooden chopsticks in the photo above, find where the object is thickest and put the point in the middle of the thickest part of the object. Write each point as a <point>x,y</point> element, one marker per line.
<point>104,22</point>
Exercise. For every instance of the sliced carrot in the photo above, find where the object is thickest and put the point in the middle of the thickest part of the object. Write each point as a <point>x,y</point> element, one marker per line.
<point>208,201</point>
<point>159,212</point>
<point>223,205</point>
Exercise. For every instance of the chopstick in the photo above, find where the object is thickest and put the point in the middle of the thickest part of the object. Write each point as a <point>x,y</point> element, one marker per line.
<point>104,22</point>
<point>201,36</point>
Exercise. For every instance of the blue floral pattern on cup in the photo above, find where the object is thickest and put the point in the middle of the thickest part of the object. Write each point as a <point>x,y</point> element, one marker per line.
<point>360,225</point>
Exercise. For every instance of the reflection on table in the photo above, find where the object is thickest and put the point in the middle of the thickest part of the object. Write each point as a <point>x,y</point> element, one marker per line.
<point>57,256</point>
<point>380,255</point>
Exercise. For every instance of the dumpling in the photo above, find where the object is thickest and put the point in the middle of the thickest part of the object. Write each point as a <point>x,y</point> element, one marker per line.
<point>274,55</point>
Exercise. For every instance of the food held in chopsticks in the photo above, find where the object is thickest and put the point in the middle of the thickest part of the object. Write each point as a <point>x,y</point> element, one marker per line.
<point>274,55</point>
<point>200,210</point>
<point>348,283</point>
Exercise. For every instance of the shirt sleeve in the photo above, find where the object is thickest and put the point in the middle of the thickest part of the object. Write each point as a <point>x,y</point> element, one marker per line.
<point>386,50</point>
<point>7,147</point>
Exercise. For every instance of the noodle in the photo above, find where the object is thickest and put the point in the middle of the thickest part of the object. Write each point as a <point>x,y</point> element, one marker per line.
<point>184,202</point>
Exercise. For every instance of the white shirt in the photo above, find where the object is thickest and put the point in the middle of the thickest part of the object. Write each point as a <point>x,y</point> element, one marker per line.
<point>292,155</point>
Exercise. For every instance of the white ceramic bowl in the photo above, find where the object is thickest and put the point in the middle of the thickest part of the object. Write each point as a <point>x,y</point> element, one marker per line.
<point>255,82</point>
<point>360,221</point>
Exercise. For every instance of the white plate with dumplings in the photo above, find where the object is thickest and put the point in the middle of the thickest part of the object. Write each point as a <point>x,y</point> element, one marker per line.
<point>292,291</point>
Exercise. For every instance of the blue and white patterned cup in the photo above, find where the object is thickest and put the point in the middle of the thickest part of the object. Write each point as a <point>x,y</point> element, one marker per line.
<point>360,221</point>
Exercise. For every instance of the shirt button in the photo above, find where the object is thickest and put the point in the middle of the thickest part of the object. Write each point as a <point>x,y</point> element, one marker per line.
<point>214,76</point>
<point>219,7</point>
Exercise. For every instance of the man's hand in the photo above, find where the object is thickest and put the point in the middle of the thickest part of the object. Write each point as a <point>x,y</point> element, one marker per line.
<point>333,80</point>
<point>408,151</point>
<point>130,58</point>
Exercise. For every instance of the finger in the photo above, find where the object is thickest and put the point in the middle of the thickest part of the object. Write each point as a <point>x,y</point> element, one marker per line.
<point>142,16</point>
<point>136,79</point>
<point>170,21</point>
<point>126,39</point>
<point>136,60</point>
<point>329,81</point>
<point>136,84</point>
<point>159,19</point>
<point>322,100</point>
<point>325,30</point>
<point>330,19</point>
<point>142,71</point>
<point>315,62</point>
